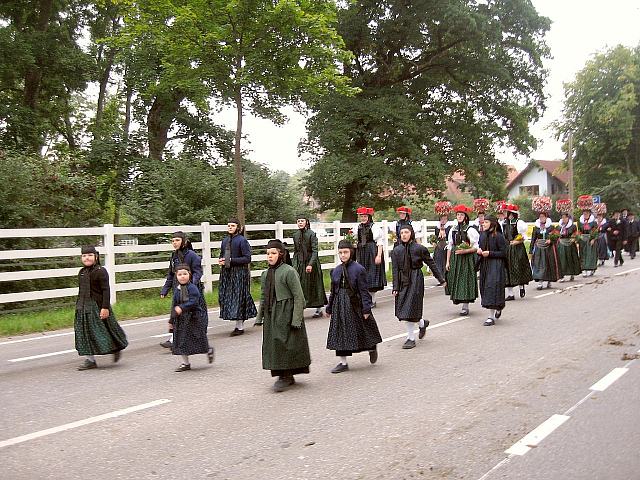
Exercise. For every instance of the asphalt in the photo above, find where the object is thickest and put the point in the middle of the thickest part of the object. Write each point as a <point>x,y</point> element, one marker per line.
<point>448,409</point>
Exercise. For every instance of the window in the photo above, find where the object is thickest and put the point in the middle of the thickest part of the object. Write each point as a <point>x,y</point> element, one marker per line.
<point>530,190</point>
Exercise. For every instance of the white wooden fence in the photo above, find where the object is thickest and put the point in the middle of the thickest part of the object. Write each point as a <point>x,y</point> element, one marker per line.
<point>109,249</point>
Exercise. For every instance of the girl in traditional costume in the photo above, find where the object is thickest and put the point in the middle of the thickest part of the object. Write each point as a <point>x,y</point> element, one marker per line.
<point>96,330</point>
<point>443,209</point>
<point>353,328</point>
<point>462,282</point>
<point>407,261</point>
<point>567,248</point>
<point>234,289</point>
<point>492,252</point>
<point>588,236</point>
<point>285,347</point>
<point>307,264</point>
<point>544,264</point>
<point>369,252</point>
<point>518,266</point>
<point>189,320</point>
<point>394,227</point>
<point>601,225</point>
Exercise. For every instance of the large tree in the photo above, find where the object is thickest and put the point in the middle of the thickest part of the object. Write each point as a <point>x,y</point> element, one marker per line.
<point>602,112</point>
<point>443,84</point>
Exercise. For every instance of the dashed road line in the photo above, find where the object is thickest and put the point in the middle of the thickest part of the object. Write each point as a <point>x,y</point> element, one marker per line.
<point>533,438</point>
<point>608,380</point>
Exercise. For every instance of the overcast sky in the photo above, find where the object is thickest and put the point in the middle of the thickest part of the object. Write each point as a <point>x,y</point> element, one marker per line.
<point>579,29</point>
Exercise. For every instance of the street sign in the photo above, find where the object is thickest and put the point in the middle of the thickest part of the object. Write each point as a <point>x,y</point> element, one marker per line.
<point>596,199</point>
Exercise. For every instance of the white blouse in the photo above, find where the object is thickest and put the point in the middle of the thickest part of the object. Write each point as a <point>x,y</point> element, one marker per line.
<point>472,233</point>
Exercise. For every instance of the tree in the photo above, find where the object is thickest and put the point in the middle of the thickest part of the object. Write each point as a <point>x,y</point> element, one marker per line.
<point>443,84</point>
<point>602,111</point>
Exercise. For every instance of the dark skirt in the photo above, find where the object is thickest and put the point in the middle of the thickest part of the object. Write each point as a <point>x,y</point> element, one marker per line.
<point>568,257</point>
<point>349,332</point>
<point>95,336</point>
<point>410,297</point>
<point>493,275</point>
<point>544,265</point>
<point>603,248</point>
<point>588,253</point>
<point>462,281</point>
<point>190,331</point>
<point>285,350</point>
<point>519,268</point>
<point>312,283</point>
<point>365,256</point>
<point>234,294</point>
<point>440,257</point>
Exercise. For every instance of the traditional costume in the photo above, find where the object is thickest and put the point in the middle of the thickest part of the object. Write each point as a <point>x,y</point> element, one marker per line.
<point>568,256</point>
<point>234,288</point>
<point>587,243</point>
<point>462,282</point>
<point>305,256</point>
<point>603,247</point>
<point>493,271</point>
<point>353,328</point>
<point>185,255</point>
<point>370,243</point>
<point>441,234</point>
<point>407,260</point>
<point>190,325</point>
<point>96,330</point>
<point>285,347</point>
<point>633,231</point>
<point>405,219</point>
<point>518,266</point>
<point>544,263</point>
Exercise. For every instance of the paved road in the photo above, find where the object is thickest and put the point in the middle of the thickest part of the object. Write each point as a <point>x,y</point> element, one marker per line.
<point>448,409</point>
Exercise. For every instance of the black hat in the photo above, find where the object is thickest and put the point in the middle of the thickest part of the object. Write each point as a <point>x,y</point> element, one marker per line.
<point>345,244</point>
<point>179,234</point>
<point>183,266</point>
<point>234,220</point>
<point>89,249</point>
<point>277,244</point>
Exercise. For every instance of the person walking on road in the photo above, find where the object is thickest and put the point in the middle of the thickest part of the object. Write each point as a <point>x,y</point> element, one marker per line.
<point>492,254</point>
<point>369,252</point>
<point>183,254</point>
<point>517,262</point>
<point>407,260</point>
<point>544,262</point>
<point>404,214</point>
<point>234,288</point>
<point>96,330</point>
<point>588,243</point>
<point>462,281</point>
<point>633,230</point>
<point>352,328</point>
<point>285,347</point>
<point>307,264</point>
<point>568,249</point>
<point>617,237</point>
<point>189,320</point>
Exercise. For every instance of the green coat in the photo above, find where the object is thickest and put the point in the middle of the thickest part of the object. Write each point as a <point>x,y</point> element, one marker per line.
<point>305,244</point>
<point>284,338</point>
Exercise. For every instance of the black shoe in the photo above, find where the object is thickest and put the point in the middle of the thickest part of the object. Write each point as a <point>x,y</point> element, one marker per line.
<point>341,367</point>
<point>88,365</point>
<point>498,313</point>
<point>211,355</point>
<point>621,262</point>
<point>373,355</point>
<point>116,356</point>
<point>464,312</point>
<point>522,292</point>
<point>283,383</point>
<point>374,305</point>
<point>166,344</point>
<point>509,298</point>
<point>615,265</point>
<point>317,314</point>
<point>236,332</point>
<point>489,322</point>
<point>183,367</point>
<point>423,330</point>
<point>601,262</point>
<point>409,344</point>
<point>539,287</point>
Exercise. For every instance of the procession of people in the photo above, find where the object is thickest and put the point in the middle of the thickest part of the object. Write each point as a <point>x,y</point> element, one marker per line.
<point>485,258</point>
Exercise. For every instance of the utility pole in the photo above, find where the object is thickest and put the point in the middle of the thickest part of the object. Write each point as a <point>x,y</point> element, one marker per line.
<point>571,187</point>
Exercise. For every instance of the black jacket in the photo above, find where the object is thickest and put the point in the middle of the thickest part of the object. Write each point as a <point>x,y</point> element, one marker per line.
<point>99,281</point>
<point>620,226</point>
<point>418,256</point>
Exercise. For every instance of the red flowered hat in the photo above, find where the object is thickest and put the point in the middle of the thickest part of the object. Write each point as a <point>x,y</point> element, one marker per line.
<point>585,202</point>
<point>564,205</point>
<point>443,208</point>
<point>365,211</point>
<point>462,209</point>
<point>404,209</point>
<point>481,205</point>
<point>512,207</point>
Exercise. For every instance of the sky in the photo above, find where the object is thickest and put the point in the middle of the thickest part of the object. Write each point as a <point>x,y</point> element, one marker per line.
<point>580,28</point>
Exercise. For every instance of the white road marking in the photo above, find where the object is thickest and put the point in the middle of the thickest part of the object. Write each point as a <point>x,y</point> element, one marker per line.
<point>43,355</point>
<point>430,327</point>
<point>81,423</point>
<point>560,290</point>
<point>504,461</point>
<point>626,271</point>
<point>587,397</point>
<point>606,381</point>
<point>533,438</point>
<point>547,294</point>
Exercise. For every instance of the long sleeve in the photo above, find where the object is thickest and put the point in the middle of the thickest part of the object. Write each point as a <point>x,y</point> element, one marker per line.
<point>362,286</point>
<point>377,233</point>
<point>426,258</point>
<point>501,251</point>
<point>332,293</point>
<point>293,283</point>
<point>474,237</point>
<point>223,245</point>
<point>395,269</point>
<point>194,295</point>
<point>260,316</point>
<point>534,237</point>
<point>99,286</point>
<point>169,281</point>
<point>195,263</point>
<point>245,253</point>
<point>522,229</point>
<point>313,239</point>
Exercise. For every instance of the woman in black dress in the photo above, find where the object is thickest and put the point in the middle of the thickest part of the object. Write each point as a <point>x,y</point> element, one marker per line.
<point>492,253</point>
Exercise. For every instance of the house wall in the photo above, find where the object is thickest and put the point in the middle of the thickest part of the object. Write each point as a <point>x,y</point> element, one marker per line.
<point>535,176</point>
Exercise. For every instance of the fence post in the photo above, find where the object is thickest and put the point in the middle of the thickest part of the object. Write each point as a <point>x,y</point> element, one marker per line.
<point>110,259</point>
<point>425,233</point>
<point>336,241</point>
<point>385,245</point>
<point>279,234</point>
<point>207,262</point>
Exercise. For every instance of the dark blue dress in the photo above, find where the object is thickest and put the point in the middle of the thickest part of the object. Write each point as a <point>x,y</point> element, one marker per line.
<point>190,327</point>
<point>234,291</point>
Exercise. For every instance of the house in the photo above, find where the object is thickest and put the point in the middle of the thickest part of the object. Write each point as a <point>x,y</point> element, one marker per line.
<point>455,184</point>
<point>539,177</point>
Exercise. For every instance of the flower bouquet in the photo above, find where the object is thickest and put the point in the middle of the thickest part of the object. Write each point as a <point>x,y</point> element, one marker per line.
<point>499,206</point>
<point>593,233</point>
<point>585,202</point>
<point>443,208</point>
<point>519,238</point>
<point>554,235</point>
<point>433,239</point>
<point>541,204</point>
<point>480,205</point>
<point>564,205</point>
<point>600,208</point>
<point>463,246</point>
<point>350,237</point>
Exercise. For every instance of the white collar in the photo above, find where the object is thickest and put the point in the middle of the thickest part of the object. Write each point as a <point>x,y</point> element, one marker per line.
<point>565,225</point>
<point>591,218</point>
<point>546,225</point>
